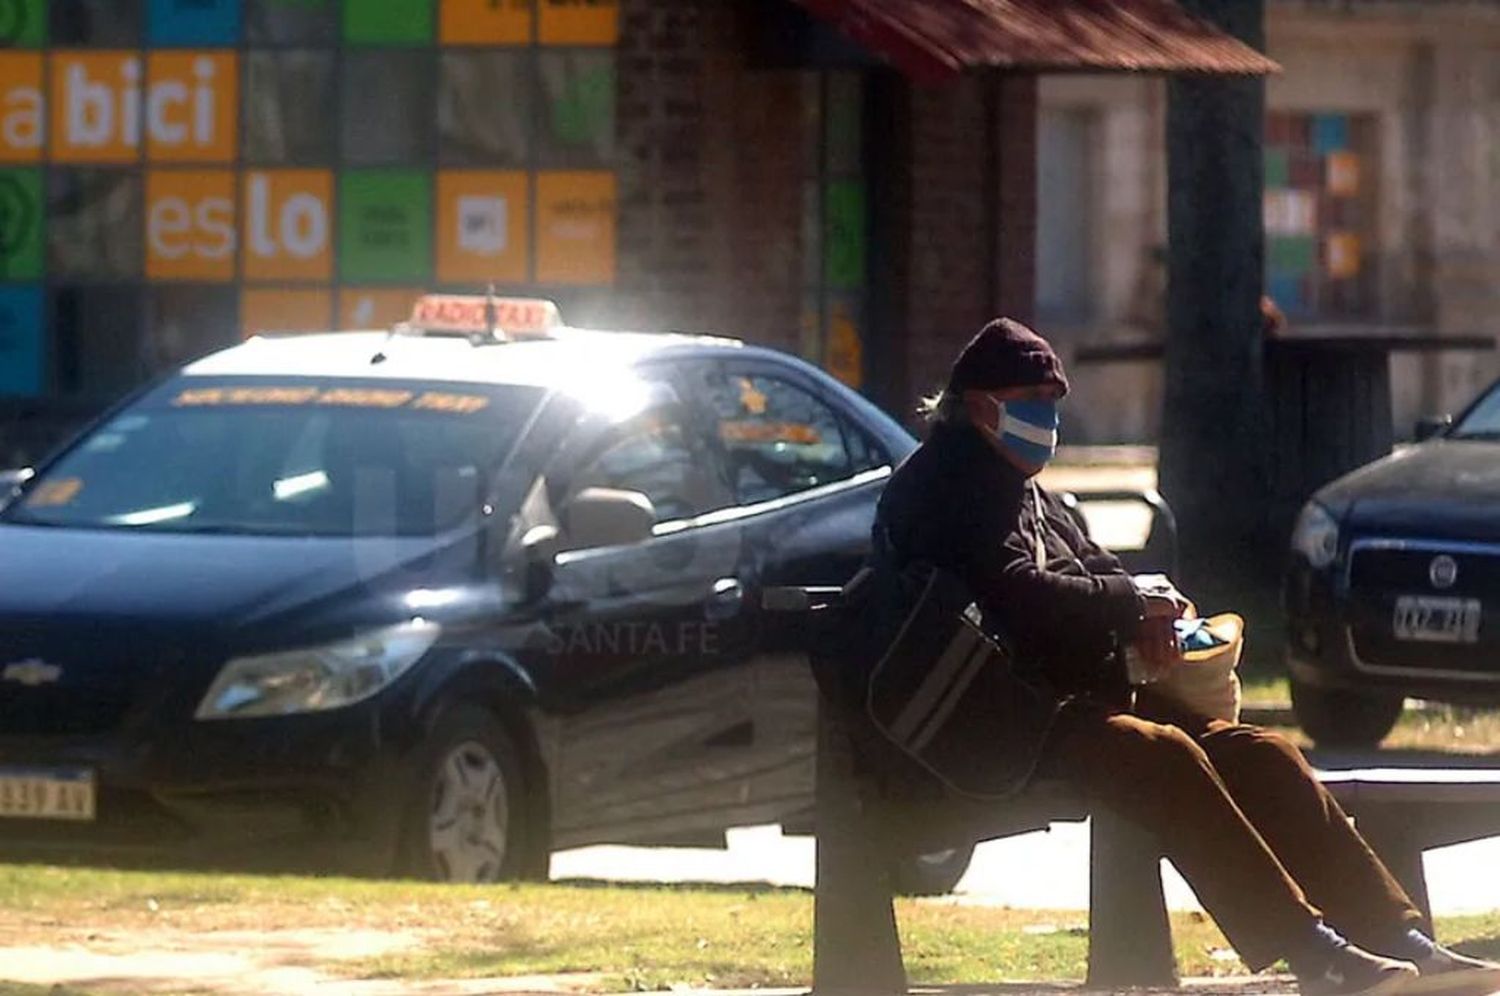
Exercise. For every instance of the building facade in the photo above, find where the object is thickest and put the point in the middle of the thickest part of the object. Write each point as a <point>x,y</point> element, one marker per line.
<point>1382,209</point>
<point>175,174</point>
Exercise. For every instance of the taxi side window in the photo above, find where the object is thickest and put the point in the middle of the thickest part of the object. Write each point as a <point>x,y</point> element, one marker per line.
<point>657,454</point>
<point>778,438</point>
<point>864,453</point>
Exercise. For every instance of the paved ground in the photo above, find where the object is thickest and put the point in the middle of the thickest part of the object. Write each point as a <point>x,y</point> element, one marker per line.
<point>248,977</point>
<point>1041,870</point>
<point>1045,870</point>
<point>1118,525</point>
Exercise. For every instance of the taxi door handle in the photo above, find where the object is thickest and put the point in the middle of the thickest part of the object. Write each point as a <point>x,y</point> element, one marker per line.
<point>726,600</point>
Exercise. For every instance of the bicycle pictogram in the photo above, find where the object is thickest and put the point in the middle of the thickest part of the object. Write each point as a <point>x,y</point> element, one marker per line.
<point>18,216</point>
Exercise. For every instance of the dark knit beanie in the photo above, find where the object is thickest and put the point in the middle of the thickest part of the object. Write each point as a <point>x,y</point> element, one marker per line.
<point>1006,353</point>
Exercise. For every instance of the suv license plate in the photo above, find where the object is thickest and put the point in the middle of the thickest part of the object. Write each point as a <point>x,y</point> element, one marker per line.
<point>47,794</point>
<point>1437,620</point>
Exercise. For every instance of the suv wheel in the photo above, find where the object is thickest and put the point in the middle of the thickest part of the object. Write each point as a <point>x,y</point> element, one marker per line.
<point>1339,718</point>
<point>932,874</point>
<point>465,816</point>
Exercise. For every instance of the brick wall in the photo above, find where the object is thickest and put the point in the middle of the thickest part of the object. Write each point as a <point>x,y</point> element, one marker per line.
<point>1015,180</point>
<point>973,218</point>
<point>949,291</point>
<point>710,184</point>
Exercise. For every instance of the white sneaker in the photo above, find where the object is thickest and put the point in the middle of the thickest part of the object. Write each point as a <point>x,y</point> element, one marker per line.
<point>1450,972</point>
<point>1445,970</point>
<point>1353,971</point>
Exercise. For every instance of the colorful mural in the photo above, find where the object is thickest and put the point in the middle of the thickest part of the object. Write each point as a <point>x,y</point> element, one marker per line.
<point>174,173</point>
<point>1319,213</point>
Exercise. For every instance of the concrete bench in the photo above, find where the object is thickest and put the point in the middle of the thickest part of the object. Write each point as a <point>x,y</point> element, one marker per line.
<point>1404,811</point>
<point>861,825</point>
<point>856,945</point>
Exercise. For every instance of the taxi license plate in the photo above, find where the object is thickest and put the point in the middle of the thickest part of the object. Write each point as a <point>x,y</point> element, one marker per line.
<point>47,794</point>
<point>1437,620</point>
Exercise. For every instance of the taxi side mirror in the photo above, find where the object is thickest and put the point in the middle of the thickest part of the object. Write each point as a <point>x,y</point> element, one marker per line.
<point>10,479</point>
<point>597,517</point>
<point>1429,426</point>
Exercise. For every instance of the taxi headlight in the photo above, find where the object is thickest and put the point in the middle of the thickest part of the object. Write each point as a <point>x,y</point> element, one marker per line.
<point>1316,535</point>
<point>313,679</point>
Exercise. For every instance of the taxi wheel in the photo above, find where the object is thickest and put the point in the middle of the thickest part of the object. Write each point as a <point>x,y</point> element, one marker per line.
<point>464,818</point>
<point>1339,718</point>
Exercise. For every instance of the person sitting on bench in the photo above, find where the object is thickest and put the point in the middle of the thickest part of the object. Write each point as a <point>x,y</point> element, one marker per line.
<point>1236,808</point>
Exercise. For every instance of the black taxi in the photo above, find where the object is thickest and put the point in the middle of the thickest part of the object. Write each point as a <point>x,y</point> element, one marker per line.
<point>433,600</point>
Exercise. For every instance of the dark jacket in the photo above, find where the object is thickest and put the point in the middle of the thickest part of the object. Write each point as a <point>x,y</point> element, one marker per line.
<point>958,504</point>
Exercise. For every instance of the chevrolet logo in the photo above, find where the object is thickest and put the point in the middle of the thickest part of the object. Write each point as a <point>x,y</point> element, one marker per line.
<point>31,673</point>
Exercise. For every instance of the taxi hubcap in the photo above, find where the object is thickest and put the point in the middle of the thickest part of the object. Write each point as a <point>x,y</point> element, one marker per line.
<point>470,817</point>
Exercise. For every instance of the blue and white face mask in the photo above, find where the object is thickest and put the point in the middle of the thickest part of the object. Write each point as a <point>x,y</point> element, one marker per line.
<point>1027,430</point>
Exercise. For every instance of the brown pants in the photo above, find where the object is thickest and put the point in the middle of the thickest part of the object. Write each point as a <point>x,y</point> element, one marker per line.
<point>1240,814</point>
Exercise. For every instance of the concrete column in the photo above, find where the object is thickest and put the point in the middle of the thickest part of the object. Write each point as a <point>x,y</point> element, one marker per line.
<point>1466,265</point>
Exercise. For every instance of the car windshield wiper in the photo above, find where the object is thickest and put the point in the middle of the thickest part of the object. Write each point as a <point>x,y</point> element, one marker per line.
<point>1479,434</point>
<point>224,529</point>
<point>180,528</point>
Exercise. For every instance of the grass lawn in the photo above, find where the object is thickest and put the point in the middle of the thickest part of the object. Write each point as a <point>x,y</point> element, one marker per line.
<point>1424,726</point>
<point>634,938</point>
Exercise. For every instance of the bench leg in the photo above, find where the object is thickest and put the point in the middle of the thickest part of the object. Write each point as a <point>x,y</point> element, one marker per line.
<point>1130,937</point>
<point>856,947</point>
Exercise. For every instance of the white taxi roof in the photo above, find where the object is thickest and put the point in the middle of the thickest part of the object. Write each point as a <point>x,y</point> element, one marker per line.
<point>541,362</point>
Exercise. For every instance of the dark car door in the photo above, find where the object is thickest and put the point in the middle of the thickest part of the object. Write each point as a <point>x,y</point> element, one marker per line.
<point>805,476</point>
<point>640,647</point>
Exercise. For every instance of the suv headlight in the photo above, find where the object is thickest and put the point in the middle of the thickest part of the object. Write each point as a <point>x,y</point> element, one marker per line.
<point>313,679</point>
<point>1316,535</point>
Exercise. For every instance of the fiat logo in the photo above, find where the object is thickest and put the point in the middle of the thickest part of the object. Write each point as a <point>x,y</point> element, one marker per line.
<point>1443,571</point>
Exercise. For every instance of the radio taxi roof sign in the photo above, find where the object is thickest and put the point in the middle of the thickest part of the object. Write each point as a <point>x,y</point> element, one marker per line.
<point>471,314</point>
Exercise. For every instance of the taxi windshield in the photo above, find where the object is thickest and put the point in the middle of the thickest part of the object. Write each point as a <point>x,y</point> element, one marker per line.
<point>1483,420</point>
<point>285,457</point>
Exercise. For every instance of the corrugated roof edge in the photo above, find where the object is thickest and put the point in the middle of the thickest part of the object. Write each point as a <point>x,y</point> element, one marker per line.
<point>935,40</point>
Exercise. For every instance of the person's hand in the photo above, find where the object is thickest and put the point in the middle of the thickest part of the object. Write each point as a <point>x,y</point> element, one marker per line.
<point>1162,605</point>
<point>1156,644</point>
<point>1159,586</point>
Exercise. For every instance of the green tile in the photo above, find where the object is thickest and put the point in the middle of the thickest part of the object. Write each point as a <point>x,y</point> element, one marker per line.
<point>20,224</point>
<point>1277,172</point>
<point>23,23</point>
<point>844,234</point>
<point>385,225</point>
<point>1293,254</point>
<point>388,22</point>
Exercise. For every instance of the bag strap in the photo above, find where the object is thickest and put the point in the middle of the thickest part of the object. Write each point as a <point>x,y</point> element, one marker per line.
<point>1038,540</point>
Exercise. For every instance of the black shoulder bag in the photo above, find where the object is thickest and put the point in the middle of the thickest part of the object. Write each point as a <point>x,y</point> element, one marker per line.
<point>939,688</point>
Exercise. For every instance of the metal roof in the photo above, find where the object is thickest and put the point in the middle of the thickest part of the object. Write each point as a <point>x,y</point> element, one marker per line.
<point>932,40</point>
